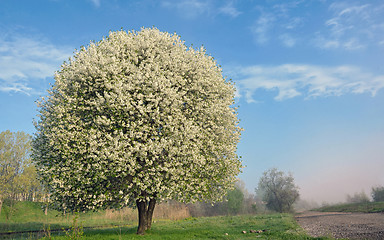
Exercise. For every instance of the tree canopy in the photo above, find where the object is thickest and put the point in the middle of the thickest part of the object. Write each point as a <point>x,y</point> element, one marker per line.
<point>137,116</point>
<point>235,201</point>
<point>278,190</point>
<point>17,173</point>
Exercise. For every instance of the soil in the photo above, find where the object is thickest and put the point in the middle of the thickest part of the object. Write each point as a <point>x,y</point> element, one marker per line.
<point>343,225</point>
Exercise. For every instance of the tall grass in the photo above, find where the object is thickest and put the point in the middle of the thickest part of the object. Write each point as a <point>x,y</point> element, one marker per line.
<point>30,216</point>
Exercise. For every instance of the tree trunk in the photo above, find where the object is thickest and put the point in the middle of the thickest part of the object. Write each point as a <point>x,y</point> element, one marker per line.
<point>142,211</point>
<point>151,208</point>
<point>145,213</point>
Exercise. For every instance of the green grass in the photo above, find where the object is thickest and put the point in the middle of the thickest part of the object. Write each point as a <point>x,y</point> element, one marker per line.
<point>277,226</point>
<point>29,216</point>
<point>370,207</point>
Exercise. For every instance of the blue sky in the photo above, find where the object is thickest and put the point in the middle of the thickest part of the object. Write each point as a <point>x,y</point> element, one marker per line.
<point>309,75</point>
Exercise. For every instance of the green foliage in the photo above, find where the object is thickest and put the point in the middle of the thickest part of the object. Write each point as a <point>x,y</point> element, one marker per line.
<point>47,233</point>
<point>367,207</point>
<point>76,230</point>
<point>235,201</point>
<point>8,208</point>
<point>278,190</point>
<point>14,156</point>
<point>378,194</point>
<point>18,177</point>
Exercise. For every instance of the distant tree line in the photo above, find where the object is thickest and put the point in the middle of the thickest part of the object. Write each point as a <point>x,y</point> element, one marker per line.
<point>377,195</point>
<point>18,177</point>
<point>276,192</point>
<point>360,197</point>
<point>237,201</point>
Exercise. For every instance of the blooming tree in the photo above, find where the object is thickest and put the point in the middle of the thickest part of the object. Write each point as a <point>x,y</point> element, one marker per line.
<point>137,118</point>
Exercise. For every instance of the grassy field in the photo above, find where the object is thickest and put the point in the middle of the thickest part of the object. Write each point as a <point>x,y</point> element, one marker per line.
<point>27,216</point>
<point>369,207</point>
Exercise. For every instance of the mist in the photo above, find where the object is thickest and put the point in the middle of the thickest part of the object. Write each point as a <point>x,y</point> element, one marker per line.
<point>327,174</point>
<point>333,185</point>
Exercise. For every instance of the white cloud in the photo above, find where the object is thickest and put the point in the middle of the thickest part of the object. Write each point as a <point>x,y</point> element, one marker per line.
<point>25,61</point>
<point>309,81</point>
<point>230,10</point>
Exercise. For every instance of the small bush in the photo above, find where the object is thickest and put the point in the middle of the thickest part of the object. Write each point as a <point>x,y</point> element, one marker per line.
<point>76,231</point>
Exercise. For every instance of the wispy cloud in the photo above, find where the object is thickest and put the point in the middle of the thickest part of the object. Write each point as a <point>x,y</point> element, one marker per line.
<point>189,8</point>
<point>25,61</point>
<point>95,2</point>
<point>261,28</point>
<point>192,9</point>
<point>277,22</point>
<point>293,23</point>
<point>309,81</point>
<point>347,25</point>
<point>229,10</point>
<point>334,43</point>
<point>287,40</point>
<point>352,26</point>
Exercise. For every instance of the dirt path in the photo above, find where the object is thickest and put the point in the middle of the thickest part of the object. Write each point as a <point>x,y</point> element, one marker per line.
<point>343,225</point>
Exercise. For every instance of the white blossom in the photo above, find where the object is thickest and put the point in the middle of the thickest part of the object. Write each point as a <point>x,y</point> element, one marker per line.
<point>137,115</point>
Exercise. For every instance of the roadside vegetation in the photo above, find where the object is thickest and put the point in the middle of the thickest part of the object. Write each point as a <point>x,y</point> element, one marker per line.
<point>365,207</point>
<point>359,202</point>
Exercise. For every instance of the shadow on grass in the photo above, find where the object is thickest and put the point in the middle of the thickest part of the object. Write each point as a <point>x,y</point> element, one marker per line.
<point>30,230</point>
<point>8,228</point>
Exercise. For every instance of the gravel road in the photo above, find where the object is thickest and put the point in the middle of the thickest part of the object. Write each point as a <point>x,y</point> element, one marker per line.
<point>343,225</point>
